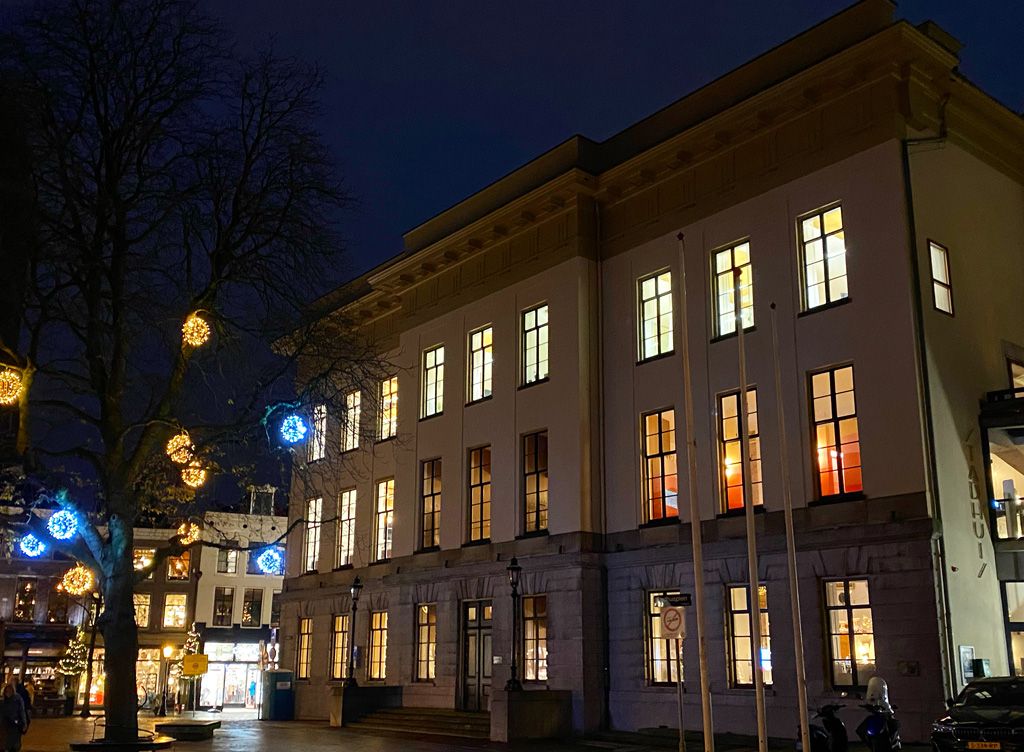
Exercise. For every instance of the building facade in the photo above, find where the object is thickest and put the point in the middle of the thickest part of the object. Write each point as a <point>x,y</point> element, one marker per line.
<point>848,188</point>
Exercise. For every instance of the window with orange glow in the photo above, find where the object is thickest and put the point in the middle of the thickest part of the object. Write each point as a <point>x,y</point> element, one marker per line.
<point>836,434</point>
<point>729,450</point>
<point>661,487</point>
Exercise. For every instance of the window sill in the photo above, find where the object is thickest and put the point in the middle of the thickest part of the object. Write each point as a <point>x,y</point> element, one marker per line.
<point>733,335</point>
<point>349,451</point>
<point>481,542</point>
<point>538,382</point>
<point>488,398</point>
<point>385,440</point>
<point>533,534</point>
<point>661,522</point>
<point>425,418</point>
<point>427,550</point>
<point>824,501</point>
<point>381,561</point>
<point>343,567</point>
<point>659,356</point>
<point>665,685</point>
<point>759,509</point>
<point>824,307</point>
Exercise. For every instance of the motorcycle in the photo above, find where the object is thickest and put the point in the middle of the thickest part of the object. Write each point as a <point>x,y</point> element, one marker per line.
<point>829,735</point>
<point>880,731</point>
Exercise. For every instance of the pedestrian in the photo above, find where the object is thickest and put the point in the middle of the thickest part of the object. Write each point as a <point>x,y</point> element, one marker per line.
<point>26,699</point>
<point>13,719</point>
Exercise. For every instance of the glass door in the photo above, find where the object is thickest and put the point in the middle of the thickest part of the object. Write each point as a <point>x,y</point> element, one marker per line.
<point>234,684</point>
<point>253,686</point>
<point>211,694</point>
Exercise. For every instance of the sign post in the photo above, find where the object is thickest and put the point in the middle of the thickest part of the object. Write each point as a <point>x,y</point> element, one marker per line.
<point>673,625</point>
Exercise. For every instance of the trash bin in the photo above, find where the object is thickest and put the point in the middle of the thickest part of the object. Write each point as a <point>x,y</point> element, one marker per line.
<point>278,696</point>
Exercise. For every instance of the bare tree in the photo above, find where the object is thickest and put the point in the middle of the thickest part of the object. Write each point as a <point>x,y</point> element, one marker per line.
<point>171,177</point>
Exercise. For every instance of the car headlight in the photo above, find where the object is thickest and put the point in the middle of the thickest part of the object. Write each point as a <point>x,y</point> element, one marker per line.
<point>942,728</point>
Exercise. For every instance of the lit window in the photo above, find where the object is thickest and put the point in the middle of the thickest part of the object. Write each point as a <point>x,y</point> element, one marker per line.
<point>535,344</point>
<point>729,450</point>
<point>57,604</point>
<point>535,481</point>
<point>426,642</point>
<point>252,607</point>
<point>655,315</point>
<point>836,435</point>
<point>346,527</point>
<point>378,645</point>
<point>141,601</point>
<point>142,558</point>
<point>318,438</point>
<point>384,518</point>
<point>227,561</point>
<point>304,655</point>
<point>25,599</point>
<point>823,244</point>
<point>223,606</point>
<point>430,503</point>
<point>387,425</point>
<point>339,647</point>
<point>741,639</point>
<point>727,262</point>
<point>535,638</point>
<point>1016,374</point>
<point>311,538</point>
<point>480,494</point>
<point>664,663</point>
<point>851,630</point>
<point>659,456</point>
<point>350,428</point>
<point>178,566</point>
<point>433,381</point>
<point>942,285</point>
<point>1014,595</point>
<point>175,610</point>
<point>481,359</point>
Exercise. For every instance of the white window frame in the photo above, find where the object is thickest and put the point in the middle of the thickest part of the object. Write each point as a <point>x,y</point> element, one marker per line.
<point>809,234</point>
<point>350,427</point>
<point>481,363</point>
<point>942,281</point>
<point>655,315</point>
<point>317,447</point>
<point>535,345</point>
<point>383,520</point>
<point>432,398</point>
<point>311,534</point>
<point>387,423</point>
<point>724,264</point>
<point>346,528</point>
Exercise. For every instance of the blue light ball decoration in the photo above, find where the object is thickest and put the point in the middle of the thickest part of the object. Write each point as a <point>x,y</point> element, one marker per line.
<point>271,561</point>
<point>63,525</point>
<point>31,546</point>
<point>293,429</point>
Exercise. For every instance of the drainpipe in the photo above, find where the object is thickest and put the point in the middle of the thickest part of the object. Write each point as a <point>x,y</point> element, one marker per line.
<point>937,542</point>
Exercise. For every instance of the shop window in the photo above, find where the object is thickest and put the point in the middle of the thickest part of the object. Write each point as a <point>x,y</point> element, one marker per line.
<point>823,247</point>
<point>175,610</point>
<point>384,519</point>
<point>377,669</point>
<point>433,382</point>
<point>430,503</point>
<point>227,561</point>
<point>741,637</point>
<point>480,494</point>
<point>426,641</point>
<point>851,644</point>
<point>350,427</point>
<point>535,638</point>
<point>661,486</point>
<point>727,262</point>
<point>535,482</point>
<point>346,530</point>
<point>535,345</point>
<point>481,361</point>
<point>836,432</point>
<point>942,285</point>
<point>317,445</point>
<point>223,606</point>
<point>304,654</point>
<point>655,315</point>
<point>252,607</point>
<point>311,537</point>
<point>730,461</point>
<point>387,421</point>
<point>664,663</point>
<point>178,566</point>
<point>142,602</point>
<point>339,646</point>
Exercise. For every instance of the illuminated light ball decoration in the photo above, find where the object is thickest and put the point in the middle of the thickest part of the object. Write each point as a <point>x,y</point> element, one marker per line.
<point>180,448</point>
<point>63,525</point>
<point>78,580</point>
<point>293,429</point>
<point>193,474</point>
<point>10,386</point>
<point>31,546</point>
<point>195,331</point>
<point>271,561</point>
<point>189,532</point>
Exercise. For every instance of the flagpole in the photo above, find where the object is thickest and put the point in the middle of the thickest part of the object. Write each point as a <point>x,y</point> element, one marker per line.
<point>754,601</point>
<point>695,531</point>
<point>794,591</point>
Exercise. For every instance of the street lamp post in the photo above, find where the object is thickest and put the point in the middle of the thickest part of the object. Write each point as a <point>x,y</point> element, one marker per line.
<point>514,571</point>
<point>350,677</point>
<point>168,651</point>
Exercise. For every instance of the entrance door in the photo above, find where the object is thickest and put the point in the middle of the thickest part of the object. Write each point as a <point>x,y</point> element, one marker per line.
<point>234,684</point>
<point>476,655</point>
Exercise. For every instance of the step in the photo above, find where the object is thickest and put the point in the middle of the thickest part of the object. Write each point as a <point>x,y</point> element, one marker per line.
<point>428,721</point>
<point>417,730</point>
<point>417,723</point>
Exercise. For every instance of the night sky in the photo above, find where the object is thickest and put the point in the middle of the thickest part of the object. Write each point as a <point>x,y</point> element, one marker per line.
<point>428,101</point>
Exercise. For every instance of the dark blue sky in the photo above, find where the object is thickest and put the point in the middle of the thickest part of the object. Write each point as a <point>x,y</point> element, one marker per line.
<point>427,101</point>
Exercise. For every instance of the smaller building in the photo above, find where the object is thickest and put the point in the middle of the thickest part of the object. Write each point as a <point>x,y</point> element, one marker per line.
<point>237,603</point>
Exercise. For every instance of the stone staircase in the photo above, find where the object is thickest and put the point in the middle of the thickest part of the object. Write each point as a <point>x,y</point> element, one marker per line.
<point>425,722</point>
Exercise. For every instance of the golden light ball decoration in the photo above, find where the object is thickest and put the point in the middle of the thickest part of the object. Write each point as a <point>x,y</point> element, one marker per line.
<point>10,386</point>
<point>78,580</point>
<point>193,474</point>
<point>195,331</point>
<point>189,532</point>
<point>180,448</point>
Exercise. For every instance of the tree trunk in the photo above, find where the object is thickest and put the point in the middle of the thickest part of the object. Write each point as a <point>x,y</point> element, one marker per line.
<point>120,636</point>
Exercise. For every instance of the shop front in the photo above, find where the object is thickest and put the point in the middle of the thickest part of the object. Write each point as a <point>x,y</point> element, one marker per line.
<point>233,678</point>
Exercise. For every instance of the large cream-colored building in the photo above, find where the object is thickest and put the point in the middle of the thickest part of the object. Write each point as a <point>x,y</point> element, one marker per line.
<point>861,185</point>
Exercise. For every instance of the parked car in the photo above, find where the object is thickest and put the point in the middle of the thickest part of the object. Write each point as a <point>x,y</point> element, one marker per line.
<point>987,715</point>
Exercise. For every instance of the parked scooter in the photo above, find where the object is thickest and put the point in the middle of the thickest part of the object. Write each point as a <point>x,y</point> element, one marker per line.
<point>829,735</point>
<point>880,731</point>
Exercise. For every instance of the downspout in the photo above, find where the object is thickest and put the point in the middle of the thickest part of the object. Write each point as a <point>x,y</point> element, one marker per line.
<point>937,542</point>
<point>606,721</point>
